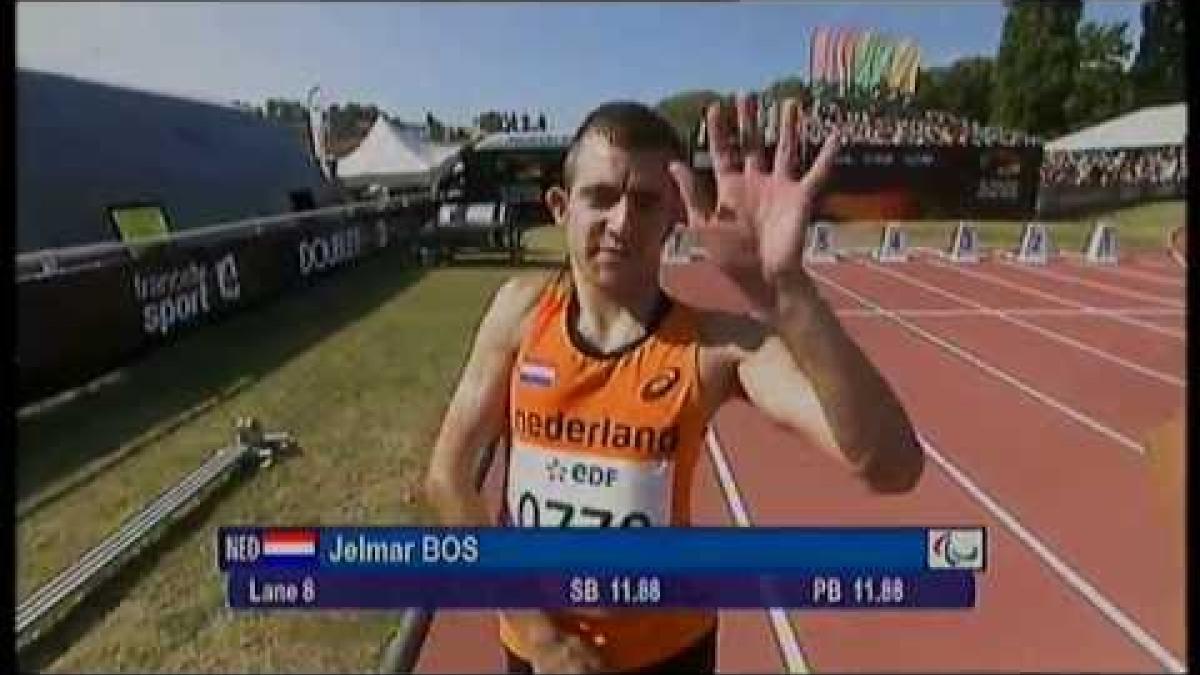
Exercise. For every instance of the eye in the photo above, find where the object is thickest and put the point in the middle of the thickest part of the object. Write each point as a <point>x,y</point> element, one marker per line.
<point>644,200</point>
<point>600,196</point>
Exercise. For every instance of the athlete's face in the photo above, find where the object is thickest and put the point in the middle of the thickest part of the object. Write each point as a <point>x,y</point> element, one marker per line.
<point>617,214</point>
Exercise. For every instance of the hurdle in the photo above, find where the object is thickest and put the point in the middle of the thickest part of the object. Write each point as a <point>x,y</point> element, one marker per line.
<point>818,247</point>
<point>1034,246</point>
<point>893,244</point>
<point>964,244</point>
<point>1101,246</point>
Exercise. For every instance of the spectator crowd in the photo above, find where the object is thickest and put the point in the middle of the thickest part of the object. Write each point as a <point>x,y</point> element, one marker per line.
<point>889,122</point>
<point>898,122</point>
<point>886,124</point>
<point>1114,168</point>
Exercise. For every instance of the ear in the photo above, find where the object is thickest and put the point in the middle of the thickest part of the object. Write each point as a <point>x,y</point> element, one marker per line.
<point>556,201</point>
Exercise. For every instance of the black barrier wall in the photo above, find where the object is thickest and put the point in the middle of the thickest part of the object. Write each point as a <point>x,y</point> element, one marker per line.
<point>909,182</point>
<point>78,320</point>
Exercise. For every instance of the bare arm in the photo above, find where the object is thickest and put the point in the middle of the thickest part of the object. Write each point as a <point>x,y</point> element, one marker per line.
<point>475,417</point>
<point>808,375</point>
<point>476,414</point>
<point>756,238</point>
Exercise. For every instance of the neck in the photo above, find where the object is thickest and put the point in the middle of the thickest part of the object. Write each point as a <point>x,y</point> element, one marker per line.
<point>609,320</point>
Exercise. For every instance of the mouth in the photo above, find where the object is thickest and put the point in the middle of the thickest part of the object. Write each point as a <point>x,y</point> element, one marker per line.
<point>611,253</point>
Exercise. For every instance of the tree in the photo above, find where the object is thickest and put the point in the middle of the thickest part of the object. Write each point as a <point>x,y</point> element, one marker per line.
<point>683,110</point>
<point>1157,71</point>
<point>931,88</point>
<point>961,88</point>
<point>1101,89</point>
<point>491,121</point>
<point>790,87</point>
<point>1035,65</point>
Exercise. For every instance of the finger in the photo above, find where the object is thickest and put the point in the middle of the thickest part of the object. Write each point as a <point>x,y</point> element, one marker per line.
<point>720,140</point>
<point>749,137</point>
<point>822,166</point>
<point>785,150</point>
<point>689,192</point>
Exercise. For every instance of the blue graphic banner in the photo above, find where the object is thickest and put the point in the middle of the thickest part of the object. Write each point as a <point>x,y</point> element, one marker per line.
<point>395,551</point>
<point>319,590</point>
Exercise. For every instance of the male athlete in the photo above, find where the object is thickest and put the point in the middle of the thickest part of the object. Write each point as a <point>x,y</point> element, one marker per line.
<point>597,365</point>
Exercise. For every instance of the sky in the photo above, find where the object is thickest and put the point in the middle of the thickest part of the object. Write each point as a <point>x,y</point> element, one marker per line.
<point>457,60</point>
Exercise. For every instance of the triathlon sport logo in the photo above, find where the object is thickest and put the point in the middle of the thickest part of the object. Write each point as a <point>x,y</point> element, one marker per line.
<point>956,548</point>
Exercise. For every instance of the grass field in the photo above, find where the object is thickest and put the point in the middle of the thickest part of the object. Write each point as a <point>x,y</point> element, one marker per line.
<point>358,369</point>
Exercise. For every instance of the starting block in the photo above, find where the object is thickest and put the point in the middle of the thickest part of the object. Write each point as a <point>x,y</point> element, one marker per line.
<point>682,246</point>
<point>964,245</point>
<point>893,245</point>
<point>1102,244</point>
<point>1177,244</point>
<point>818,248</point>
<point>1035,245</point>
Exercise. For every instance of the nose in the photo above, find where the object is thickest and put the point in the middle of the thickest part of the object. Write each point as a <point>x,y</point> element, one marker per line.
<point>619,216</point>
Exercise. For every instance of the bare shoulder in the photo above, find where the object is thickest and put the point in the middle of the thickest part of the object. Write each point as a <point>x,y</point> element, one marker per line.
<point>520,292</point>
<point>725,340</point>
<point>733,335</point>
<point>513,304</point>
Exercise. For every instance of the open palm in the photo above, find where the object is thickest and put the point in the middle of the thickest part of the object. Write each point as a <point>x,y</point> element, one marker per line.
<point>755,234</point>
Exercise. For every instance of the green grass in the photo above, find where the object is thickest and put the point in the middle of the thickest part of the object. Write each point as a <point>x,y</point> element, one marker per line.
<point>357,369</point>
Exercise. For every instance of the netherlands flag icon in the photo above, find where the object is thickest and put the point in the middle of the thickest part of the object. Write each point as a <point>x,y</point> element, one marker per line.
<point>537,374</point>
<point>290,545</point>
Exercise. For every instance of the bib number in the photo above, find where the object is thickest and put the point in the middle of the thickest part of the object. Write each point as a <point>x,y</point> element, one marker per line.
<point>557,513</point>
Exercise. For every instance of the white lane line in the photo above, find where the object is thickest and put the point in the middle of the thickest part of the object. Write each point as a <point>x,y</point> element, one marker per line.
<point>1115,290</point>
<point>1163,264</point>
<point>1044,332</point>
<point>1139,275</point>
<point>1098,311</point>
<point>1074,579</point>
<point>1015,311</point>
<point>1089,422</point>
<point>785,633</point>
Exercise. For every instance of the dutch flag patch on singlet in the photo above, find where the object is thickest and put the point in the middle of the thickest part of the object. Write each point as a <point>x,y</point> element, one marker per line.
<point>537,374</point>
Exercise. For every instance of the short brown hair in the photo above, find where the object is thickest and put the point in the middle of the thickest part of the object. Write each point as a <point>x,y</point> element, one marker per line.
<point>627,125</point>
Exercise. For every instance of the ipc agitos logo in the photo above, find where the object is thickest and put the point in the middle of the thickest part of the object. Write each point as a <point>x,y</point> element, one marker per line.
<point>956,548</point>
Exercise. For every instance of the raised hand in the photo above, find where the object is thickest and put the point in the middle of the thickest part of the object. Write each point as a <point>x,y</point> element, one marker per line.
<point>756,232</point>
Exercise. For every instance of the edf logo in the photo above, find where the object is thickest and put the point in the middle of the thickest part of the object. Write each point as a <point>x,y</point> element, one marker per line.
<point>582,473</point>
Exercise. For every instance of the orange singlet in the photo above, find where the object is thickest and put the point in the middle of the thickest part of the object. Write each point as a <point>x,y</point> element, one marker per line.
<point>606,440</point>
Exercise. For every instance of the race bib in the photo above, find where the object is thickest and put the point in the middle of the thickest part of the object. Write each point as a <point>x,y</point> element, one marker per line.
<point>548,488</point>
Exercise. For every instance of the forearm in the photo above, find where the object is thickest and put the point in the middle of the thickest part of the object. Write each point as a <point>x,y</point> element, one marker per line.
<point>459,504</point>
<point>866,418</point>
<point>453,483</point>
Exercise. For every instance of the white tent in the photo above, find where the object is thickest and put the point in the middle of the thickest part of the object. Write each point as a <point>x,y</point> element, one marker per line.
<point>1145,128</point>
<point>391,157</point>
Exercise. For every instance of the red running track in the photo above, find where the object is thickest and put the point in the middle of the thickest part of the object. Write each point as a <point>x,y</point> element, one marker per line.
<point>1066,374</point>
<point>1149,349</point>
<point>1025,283</point>
<point>1060,492</point>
